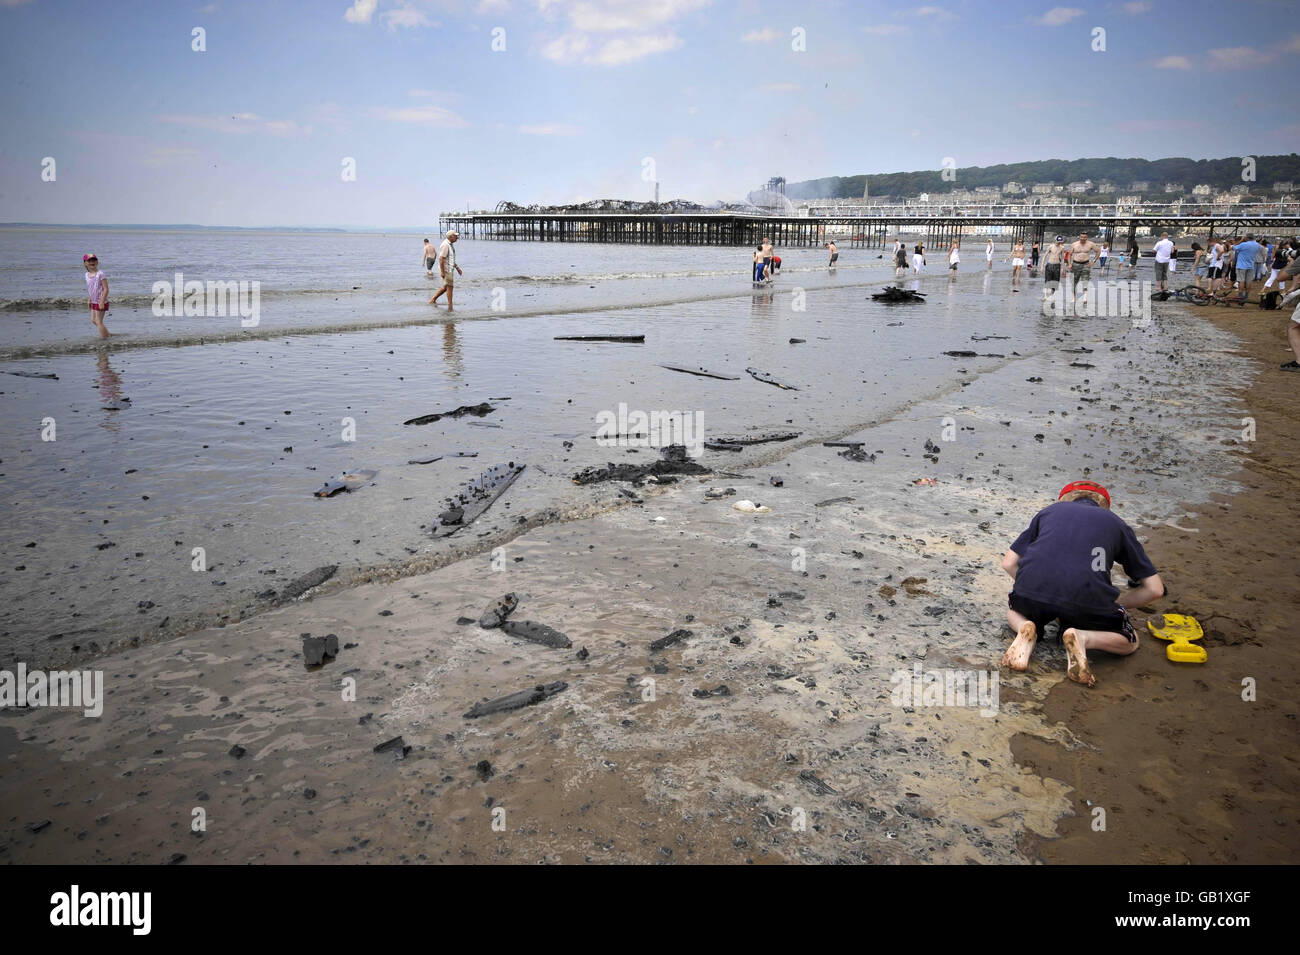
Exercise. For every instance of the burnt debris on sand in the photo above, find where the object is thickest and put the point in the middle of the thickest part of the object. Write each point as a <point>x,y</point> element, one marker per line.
<point>767,379</point>
<point>674,461</point>
<point>625,339</point>
<point>478,411</point>
<point>701,372</point>
<point>892,294</point>
<point>475,498</point>
<point>516,701</point>
<point>307,581</point>
<point>347,482</point>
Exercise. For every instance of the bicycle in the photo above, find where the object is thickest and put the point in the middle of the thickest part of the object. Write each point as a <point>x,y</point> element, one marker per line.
<point>1194,294</point>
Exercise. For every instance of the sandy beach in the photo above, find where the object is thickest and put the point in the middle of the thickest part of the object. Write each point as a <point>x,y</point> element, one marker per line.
<point>768,730</point>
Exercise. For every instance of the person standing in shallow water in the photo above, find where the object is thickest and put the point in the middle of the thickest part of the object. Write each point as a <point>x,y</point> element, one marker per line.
<point>1017,263</point>
<point>97,290</point>
<point>430,259</point>
<point>448,267</point>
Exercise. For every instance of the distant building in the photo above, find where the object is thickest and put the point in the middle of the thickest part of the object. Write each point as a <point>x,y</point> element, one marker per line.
<point>1174,187</point>
<point>1013,188</point>
<point>1128,200</point>
<point>1287,186</point>
<point>1106,186</point>
<point>1078,188</point>
<point>1141,185</point>
<point>1240,190</point>
<point>1202,189</point>
<point>1042,189</point>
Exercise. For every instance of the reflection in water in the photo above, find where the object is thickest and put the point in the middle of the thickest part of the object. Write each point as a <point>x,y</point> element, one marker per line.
<point>451,351</point>
<point>763,299</point>
<point>110,390</point>
<point>988,281</point>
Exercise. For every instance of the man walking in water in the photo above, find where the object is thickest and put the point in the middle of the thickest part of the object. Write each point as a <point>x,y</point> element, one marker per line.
<point>447,267</point>
<point>830,247</point>
<point>429,259</point>
<point>1052,268</point>
<point>1082,254</point>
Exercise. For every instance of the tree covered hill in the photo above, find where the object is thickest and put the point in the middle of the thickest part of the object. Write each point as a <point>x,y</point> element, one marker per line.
<point>1219,173</point>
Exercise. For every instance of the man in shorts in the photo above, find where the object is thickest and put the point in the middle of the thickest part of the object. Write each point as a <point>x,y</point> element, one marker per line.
<point>1061,568</point>
<point>835,254</point>
<point>447,267</point>
<point>1082,254</point>
<point>1052,268</point>
<point>430,260</point>
<point>1164,252</point>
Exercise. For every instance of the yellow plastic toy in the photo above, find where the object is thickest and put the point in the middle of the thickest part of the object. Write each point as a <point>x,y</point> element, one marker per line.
<point>1180,631</point>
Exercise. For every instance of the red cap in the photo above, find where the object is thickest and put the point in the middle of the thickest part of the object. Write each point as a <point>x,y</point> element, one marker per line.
<point>1084,486</point>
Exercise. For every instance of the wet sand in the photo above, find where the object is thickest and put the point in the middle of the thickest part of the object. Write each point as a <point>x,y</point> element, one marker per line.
<point>803,614</point>
<point>1187,770</point>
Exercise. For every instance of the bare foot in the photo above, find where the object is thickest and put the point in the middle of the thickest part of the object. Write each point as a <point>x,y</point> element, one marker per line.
<point>1017,655</point>
<point>1077,669</point>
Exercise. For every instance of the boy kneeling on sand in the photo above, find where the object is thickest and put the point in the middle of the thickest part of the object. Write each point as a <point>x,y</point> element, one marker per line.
<point>1061,567</point>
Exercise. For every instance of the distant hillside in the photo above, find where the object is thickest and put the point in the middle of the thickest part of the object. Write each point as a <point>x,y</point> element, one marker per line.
<point>1220,173</point>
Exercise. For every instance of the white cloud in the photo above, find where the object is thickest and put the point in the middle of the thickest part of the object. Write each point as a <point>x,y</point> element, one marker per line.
<point>405,16</point>
<point>551,129</point>
<point>1238,57</point>
<point>566,49</point>
<point>574,48</point>
<point>361,11</point>
<point>930,11</point>
<point>628,49</point>
<point>493,6</point>
<point>765,35</point>
<point>235,123</point>
<point>781,88</point>
<point>1058,16</point>
<point>209,9</point>
<point>885,29</point>
<point>1294,45</point>
<point>1138,6</point>
<point>613,32</point>
<point>1173,63</point>
<point>163,155</point>
<point>610,16</point>
<point>420,116</point>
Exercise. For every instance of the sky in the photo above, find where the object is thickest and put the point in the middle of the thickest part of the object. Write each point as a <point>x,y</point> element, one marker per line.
<point>247,113</point>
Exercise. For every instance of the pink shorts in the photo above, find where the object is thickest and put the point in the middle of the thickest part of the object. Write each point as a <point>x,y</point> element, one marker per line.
<point>100,308</point>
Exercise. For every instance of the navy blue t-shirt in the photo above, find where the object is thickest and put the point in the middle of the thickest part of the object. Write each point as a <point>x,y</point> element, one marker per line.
<point>1058,552</point>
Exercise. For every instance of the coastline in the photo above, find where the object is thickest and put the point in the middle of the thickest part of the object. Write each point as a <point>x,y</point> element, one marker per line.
<point>1189,771</point>
<point>899,576</point>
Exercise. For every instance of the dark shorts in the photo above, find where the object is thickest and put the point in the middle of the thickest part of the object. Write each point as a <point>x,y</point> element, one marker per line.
<point>1034,258</point>
<point>428,264</point>
<point>1114,620</point>
<point>835,256</point>
<point>1216,272</point>
<point>1052,273</point>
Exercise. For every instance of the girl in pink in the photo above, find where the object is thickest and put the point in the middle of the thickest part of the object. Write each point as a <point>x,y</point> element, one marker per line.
<point>97,288</point>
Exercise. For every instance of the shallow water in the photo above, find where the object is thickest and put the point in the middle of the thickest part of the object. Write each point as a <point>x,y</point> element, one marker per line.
<point>102,522</point>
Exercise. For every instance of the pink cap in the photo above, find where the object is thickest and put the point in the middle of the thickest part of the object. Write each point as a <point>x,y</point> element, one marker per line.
<point>88,256</point>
